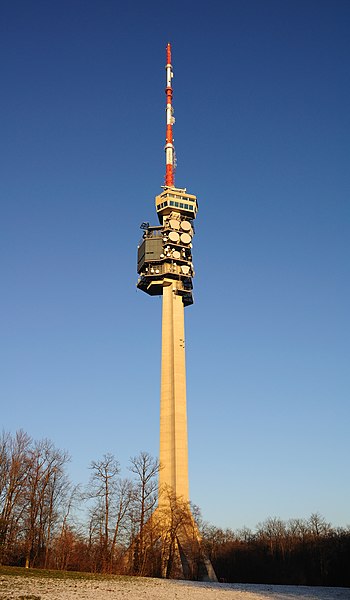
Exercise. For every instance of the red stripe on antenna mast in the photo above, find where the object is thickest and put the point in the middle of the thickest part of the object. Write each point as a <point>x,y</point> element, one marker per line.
<point>169,145</point>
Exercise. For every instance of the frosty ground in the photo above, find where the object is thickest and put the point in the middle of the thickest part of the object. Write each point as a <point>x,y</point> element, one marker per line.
<point>40,588</point>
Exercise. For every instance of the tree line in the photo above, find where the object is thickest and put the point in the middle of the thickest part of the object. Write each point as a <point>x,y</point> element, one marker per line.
<point>294,552</point>
<point>40,524</point>
<point>107,526</point>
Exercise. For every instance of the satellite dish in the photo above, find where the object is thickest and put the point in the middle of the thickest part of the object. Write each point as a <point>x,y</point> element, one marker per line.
<point>185,238</point>
<point>174,236</point>
<point>174,224</point>
<point>176,254</point>
<point>186,226</point>
<point>185,269</point>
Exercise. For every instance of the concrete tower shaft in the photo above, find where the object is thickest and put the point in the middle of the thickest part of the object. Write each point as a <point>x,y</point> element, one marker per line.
<point>173,453</point>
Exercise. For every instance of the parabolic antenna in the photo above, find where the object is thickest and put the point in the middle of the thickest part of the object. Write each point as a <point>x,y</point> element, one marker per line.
<point>185,238</point>
<point>174,236</point>
<point>186,226</point>
<point>174,224</point>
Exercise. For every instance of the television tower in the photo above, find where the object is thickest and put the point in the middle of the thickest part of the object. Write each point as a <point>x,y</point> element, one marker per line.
<point>165,269</point>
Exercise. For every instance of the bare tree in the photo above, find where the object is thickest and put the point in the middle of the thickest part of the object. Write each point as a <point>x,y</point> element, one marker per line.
<point>179,536</point>
<point>66,536</point>
<point>273,530</point>
<point>102,487</point>
<point>215,538</point>
<point>124,496</point>
<point>318,525</point>
<point>46,486</point>
<point>14,468</point>
<point>145,468</point>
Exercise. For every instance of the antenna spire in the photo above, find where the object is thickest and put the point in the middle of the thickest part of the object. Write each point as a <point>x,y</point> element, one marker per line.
<point>170,120</point>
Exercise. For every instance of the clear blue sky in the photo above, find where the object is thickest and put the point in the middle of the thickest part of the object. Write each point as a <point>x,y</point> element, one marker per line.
<point>262,96</point>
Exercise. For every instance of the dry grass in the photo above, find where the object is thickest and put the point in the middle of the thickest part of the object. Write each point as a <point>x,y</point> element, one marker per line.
<point>52,574</point>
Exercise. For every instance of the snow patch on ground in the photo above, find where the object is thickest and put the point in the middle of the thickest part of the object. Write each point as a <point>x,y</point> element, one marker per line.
<point>23,588</point>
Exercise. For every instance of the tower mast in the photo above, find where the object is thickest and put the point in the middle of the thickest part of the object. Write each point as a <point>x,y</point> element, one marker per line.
<point>170,120</point>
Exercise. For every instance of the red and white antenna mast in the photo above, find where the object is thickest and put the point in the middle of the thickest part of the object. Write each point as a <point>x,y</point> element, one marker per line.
<point>169,141</point>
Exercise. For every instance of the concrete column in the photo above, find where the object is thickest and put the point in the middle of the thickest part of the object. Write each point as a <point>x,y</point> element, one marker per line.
<point>173,413</point>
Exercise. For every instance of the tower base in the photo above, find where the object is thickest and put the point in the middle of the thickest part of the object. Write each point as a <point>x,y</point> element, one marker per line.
<point>187,561</point>
<point>170,545</point>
